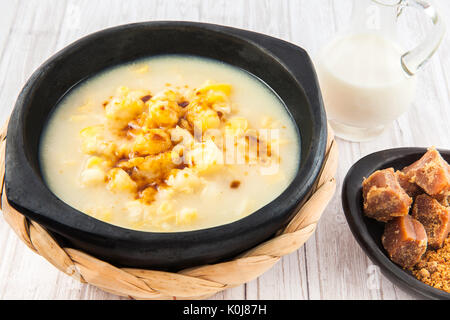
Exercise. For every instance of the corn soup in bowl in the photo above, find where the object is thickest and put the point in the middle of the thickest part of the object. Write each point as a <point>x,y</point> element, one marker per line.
<point>167,144</point>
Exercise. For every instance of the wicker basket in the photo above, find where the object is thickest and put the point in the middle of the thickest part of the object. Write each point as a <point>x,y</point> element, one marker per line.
<point>193,283</point>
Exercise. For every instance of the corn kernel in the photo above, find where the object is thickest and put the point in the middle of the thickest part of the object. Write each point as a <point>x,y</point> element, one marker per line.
<point>236,126</point>
<point>186,216</point>
<point>202,117</point>
<point>94,143</point>
<point>185,181</point>
<point>97,162</point>
<point>163,114</point>
<point>153,141</point>
<point>126,106</point>
<point>205,156</point>
<point>221,87</point>
<point>120,181</point>
<point>135,211</point>
<point>92,177</point>
<point>141,68</point>
<point>165,208</point>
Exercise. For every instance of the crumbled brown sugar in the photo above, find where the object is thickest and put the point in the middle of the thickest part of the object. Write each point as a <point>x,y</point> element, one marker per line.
<point>434,268</point>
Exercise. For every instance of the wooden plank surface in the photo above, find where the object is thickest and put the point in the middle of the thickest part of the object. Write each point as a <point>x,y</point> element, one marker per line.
<point>331,265</point>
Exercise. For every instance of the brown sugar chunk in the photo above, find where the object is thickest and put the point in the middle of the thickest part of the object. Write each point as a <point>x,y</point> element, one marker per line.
<point>405,240</point>
<point>431,173</point>
<point>443,199</point>
<point>384,198</point>
<point>411,189</point>
<point>434,217</point>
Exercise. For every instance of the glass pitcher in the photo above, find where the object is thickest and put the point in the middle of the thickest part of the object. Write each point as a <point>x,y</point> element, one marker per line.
<point>367,79</point>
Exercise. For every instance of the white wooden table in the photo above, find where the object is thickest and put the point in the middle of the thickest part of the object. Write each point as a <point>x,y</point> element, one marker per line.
<point>331,265</point>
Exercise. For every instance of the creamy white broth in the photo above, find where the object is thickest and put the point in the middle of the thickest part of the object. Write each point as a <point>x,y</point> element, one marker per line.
<point>215,202</point>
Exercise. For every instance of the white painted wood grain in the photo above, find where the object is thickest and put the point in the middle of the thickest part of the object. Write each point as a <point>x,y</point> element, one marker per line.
<point>331,265</point>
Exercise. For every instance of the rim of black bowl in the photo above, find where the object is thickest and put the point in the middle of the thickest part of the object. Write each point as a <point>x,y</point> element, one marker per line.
<point>352,204</point>
<point>32,205</point>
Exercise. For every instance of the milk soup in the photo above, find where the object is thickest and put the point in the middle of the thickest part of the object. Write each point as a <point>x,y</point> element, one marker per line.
<point>170,143</point>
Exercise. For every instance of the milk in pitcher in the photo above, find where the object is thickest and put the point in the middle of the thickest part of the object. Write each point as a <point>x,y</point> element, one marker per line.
<point>363,83</point>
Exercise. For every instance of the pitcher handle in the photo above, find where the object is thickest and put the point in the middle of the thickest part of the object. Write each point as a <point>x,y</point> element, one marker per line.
<point>413,60</point>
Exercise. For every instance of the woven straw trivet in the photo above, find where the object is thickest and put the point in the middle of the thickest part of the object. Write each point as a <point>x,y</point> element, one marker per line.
<point>193,283</point>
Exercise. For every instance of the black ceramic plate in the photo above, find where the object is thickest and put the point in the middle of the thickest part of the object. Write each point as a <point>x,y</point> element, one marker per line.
<point>286,68</point>
<point>368,231</point>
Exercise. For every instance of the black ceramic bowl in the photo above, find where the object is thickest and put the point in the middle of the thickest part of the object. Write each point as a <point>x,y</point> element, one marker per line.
<point>286,68</point>
<point>368,231</point>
